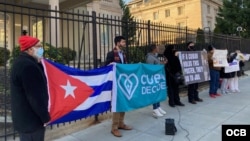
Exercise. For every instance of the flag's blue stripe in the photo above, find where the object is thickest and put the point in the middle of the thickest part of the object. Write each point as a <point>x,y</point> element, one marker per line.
<point>75,71</point>
<point>95,109</point>
<point>107,86</point>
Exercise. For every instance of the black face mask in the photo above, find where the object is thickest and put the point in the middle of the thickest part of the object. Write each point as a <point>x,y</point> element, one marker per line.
<point>191,47</point>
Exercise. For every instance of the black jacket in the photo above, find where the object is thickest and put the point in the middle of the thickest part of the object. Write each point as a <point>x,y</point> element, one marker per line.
<point>29,95</point>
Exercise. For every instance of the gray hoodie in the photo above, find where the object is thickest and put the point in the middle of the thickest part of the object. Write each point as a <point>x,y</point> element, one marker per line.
<point>152,59</point>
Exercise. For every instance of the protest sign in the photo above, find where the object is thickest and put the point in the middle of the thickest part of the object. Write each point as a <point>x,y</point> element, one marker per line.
<point>220,58</point>
<point>233,67</point>
<point>194,66</point>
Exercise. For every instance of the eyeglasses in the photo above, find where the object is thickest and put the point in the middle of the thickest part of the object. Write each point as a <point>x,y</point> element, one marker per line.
<point>37,46</point>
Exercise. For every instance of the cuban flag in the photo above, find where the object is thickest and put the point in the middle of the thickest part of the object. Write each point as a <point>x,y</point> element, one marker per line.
<point>76,94</point>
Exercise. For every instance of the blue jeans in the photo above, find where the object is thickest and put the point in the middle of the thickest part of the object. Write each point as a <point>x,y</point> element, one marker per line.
<point>214,81</point>
<point>156,105</point>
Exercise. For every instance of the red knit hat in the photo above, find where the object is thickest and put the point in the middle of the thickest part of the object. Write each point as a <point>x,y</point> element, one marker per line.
<point>27,42</point>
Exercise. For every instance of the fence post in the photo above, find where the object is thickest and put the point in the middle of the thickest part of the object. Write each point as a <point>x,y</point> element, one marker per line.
<point>149,35</point>
<point>186,34</point>
<point>94,33</point>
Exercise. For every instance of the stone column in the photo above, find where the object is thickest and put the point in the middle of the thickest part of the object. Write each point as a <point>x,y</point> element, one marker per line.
<point>54,24</point>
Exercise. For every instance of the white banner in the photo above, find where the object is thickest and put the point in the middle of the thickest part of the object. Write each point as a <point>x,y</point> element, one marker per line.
<point>233,67</point>
<point>220,58</point>
<point>246,57</point>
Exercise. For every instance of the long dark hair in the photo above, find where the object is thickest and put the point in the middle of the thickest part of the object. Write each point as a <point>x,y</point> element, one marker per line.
<point>168,52</point>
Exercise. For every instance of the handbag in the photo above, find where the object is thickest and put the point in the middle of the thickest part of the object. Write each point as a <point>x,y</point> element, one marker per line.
<point>170,128</point>
<point>179,78</point>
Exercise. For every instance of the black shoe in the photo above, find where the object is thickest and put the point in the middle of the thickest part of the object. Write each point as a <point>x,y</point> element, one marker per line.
<point>199,100</point>
<point>193,102</point>
<point>171,105</point>
<point>180,104</point>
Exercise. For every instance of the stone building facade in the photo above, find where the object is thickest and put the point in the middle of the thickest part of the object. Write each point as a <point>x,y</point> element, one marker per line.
<point>191,13</point>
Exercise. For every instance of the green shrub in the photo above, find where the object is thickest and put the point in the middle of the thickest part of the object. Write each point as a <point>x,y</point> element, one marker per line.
<point>52,53</point>
<point>61,55</point>
<point>67,54</point>
<point>137,54</point>
<point>4,56</point>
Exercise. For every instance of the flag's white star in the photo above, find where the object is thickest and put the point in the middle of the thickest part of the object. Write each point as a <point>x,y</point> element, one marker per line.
<point>69,89</point>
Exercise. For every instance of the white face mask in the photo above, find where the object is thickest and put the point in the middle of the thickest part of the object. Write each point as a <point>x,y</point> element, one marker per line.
<point>38,52</point>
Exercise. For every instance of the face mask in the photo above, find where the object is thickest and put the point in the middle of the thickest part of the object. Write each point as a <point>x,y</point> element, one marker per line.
<point>39,52</point>
<point>191,47</point>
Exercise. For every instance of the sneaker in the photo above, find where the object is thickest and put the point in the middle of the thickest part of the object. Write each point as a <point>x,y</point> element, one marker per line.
<point>233,91</point>
<point>237,91</point>
<point>223,92</point>
<point>157,113</point>
<point>217,94</point>
<point>161,111</point>
<point>212,95</point>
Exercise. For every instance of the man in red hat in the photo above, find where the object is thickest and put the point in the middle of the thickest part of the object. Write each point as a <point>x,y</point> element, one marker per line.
<point>29,95</point>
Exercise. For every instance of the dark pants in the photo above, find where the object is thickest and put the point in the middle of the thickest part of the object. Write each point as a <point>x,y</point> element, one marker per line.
<point>37,135</point>
<point>193,93</point>
<point>173,92</point>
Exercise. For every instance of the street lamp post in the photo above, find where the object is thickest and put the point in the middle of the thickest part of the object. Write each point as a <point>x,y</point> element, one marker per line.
<point>239,29</point>
<point>25,30</point>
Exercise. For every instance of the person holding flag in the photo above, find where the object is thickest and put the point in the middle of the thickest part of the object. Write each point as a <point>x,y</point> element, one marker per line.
<point>152,58</point>
<point>29,93</point>
<point>118,56</point>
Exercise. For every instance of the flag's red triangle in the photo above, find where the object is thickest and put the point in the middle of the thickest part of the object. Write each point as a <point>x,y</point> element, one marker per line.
<point>65,92</point>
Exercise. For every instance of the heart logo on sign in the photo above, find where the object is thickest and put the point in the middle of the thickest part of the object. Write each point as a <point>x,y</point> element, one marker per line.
<point>128,84</point>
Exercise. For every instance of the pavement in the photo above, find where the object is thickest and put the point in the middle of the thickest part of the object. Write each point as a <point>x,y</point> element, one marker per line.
<point>194,122</point>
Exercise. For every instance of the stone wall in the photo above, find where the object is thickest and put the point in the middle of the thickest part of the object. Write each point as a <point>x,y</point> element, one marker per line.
<point>57,131</point>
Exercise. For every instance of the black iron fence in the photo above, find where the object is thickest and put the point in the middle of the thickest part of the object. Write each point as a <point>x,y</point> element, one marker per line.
<point>81,39</point>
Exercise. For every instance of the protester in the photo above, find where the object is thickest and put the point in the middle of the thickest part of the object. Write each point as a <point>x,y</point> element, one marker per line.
<point>240,57</point>
<point>29,95</point>
<point>234,82</point>
<point>214,74</point>
<point>226,77</point>
<point>193,94</point>
<point>151,58</point>
<point>172,68</point>
<point>117,55</point>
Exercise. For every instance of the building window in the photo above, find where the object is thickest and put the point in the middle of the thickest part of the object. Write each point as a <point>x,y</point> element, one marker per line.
<point>37,29</point>
<point>208,9</point>
<point>156,15</point>
<point>108,0</point>
<point>209,24</point>
<point>4,20</point>
<point>181,10</point>
<point>167,13</point>
<point>104,35</point>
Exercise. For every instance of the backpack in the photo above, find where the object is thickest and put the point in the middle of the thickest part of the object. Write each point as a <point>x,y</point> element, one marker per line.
<point>170,128</point>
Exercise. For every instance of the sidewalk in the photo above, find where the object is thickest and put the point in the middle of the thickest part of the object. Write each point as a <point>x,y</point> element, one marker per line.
<point>194,122</point>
